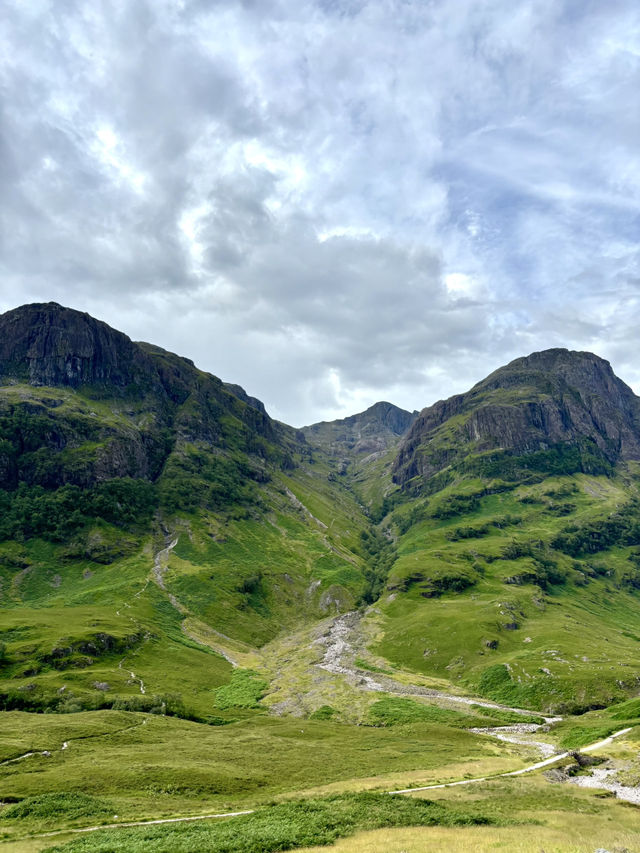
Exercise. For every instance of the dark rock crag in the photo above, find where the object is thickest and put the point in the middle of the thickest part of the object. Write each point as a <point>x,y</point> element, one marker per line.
<point>378,427</point>
<point>550,398</point>
<point>158,402</point>
<point>46,344</point>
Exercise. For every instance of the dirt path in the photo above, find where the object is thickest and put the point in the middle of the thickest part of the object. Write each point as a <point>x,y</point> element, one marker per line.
<point>139,823</point>
<point>537,766</point>
<point>46,753</point>
<point>159,571</point>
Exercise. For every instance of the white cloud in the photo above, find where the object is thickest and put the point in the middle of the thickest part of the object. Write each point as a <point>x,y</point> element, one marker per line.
<point>328,202</point>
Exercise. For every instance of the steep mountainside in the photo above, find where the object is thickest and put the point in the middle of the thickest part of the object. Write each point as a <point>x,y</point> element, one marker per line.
<point>516,521</point>
<point>374,430</point>
<point>150,512</point>
<point>46,344</point>
<point>112,452</point>
<point>551,402</point>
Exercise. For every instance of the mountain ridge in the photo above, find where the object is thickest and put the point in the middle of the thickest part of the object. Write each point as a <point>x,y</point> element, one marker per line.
<point>501,498</point>
<point>546,399</point>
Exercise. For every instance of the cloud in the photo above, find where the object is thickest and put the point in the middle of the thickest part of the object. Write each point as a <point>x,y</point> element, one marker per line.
<point>330,202</point>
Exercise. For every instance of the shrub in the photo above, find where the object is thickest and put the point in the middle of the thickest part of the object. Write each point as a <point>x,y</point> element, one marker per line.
<point>70,805</point>
<point>244,690</point>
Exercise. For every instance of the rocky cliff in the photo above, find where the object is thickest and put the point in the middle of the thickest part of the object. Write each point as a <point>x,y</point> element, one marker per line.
<point>46,344</point>
<point>378,427</point>
<point>81,403</point>
<point>551,399</point>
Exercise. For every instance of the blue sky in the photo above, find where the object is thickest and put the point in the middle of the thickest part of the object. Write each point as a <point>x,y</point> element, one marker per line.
<point>330,203</point>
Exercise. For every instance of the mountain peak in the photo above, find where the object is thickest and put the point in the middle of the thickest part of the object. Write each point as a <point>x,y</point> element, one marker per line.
<point>377,428</point>
<point>48,344</point>
<point>555,397</point>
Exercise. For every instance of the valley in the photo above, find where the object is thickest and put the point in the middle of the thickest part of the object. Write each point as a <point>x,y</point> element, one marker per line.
<point>205,611</point>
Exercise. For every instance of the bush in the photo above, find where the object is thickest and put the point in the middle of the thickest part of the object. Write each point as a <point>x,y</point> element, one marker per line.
<point>324,712</point>
<point>455,505</point>
<point>59,514</point>
<point>467,533</point>
<point>70,805</point>
<point>245,690</point>
<point>622,528</point>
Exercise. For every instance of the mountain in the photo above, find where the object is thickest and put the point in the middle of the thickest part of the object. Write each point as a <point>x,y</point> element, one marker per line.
<point>215,610</point>
<point>100,406</point>
<point>111,452</point>
<point>372,431</point>
<point>46,344</point>
<point>128,475</point>
<point>360,449</point>
<point>517,508</point>
<point>537,407</point>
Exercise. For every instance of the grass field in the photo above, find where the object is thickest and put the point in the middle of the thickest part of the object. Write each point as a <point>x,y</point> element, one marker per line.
<point>511,814</point>
<point>149,766</point>
<point>479,600</point>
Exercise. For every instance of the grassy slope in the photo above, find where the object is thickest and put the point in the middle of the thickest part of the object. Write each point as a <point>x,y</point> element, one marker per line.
<point>254,577</point>
<point>263,570</point>
<point>571,644</point>
<point>291,559</point>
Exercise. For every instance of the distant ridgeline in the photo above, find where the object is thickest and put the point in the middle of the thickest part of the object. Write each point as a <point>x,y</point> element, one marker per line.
<point>93,425</point>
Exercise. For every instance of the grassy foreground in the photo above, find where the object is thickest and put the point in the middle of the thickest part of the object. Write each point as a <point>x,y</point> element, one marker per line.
<point>284,826</point>
<point>139,766</point>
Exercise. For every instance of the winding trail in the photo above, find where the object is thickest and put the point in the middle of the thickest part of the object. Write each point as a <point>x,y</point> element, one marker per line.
<point>46,753</point>
<point>537,766</point>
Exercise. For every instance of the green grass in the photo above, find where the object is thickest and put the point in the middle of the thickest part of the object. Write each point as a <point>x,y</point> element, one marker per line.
<point>574,732</point>
<point>153,766</point>
<point>69,806</point>
<point>245,690</point>
<point>394,711</point>
<point>536,628</point>
<point>284,826</point>
<point>370,667</point>
<point>249,578</point>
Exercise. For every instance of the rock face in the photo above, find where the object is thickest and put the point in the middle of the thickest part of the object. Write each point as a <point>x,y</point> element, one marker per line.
<point>241,394</point>
<point>550,398</point>
<point>378,427</point>
<point>152,403</point>
<point>46,344</point>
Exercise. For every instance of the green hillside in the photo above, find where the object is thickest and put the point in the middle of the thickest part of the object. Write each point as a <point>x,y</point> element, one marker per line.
<point>215,611</point>
<point>527,595</point>
<point>99,479</point>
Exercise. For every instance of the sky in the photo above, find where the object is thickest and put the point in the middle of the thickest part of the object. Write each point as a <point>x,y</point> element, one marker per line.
<point>329,202</point>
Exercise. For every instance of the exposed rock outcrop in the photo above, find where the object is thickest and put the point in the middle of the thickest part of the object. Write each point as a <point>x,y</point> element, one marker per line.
<point>46,344</point>
<point>149,403</point>
<point>378,427</point>
<point>550,398</point>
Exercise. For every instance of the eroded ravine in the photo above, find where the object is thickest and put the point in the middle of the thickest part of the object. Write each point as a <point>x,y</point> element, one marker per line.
<point>339,658</point>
